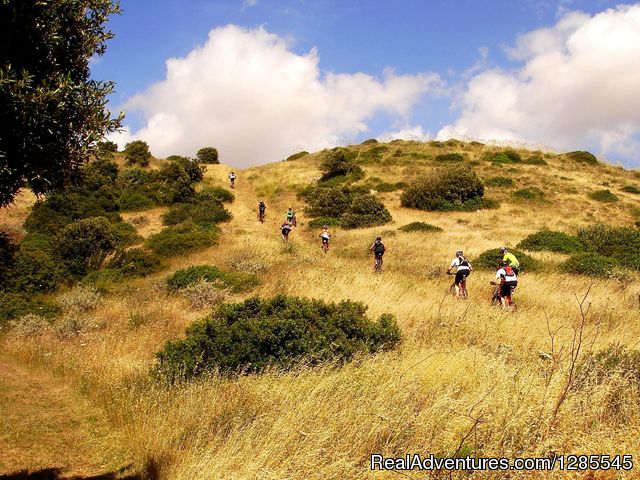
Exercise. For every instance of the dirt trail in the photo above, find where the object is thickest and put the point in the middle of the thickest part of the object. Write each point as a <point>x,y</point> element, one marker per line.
<point>47,428</point>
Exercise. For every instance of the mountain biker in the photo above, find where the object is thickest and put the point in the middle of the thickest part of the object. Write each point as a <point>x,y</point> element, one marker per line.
<point>232,179</point>
<point>511,259</point>
<point>285,229</point>
<point>506,280</point>
<point>291,216</point>
<point>262,207</point>
<point>463,270</point>
<point>325,236</point>
<point>378,250</point>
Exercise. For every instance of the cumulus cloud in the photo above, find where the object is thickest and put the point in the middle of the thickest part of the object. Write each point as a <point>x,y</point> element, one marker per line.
<point>577,86</point>
<point>246,93</point>
<point>416,133</point>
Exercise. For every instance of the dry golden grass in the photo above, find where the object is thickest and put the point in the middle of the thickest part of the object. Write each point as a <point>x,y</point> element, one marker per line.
<point>461,363</point>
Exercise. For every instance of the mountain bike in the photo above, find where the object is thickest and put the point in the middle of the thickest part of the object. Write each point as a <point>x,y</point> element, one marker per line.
<point>325,245</point>
<point>506,301</point>
<point>462,288</point>
<point>285,235</point>
<point>377,266</point>
<point>261,215</point>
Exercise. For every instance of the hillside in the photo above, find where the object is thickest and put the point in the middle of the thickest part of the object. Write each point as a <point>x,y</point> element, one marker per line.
<point>467,379</point>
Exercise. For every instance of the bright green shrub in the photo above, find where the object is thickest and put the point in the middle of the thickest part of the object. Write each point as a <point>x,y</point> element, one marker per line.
<point>236,281</point>
<point>33,271</point>
<point>134,201</point>
<point>419,227</point>
<point>217,194</point>
<point>623,244</point>
<point>450,157</point>
<point>448,189</point>
<point>365,211</point>
<point>605,196</point>
<point>505,156</point>
<point>340,162</point>
<point>181,239</point>
<point>327,202</point>
<point>278,332</point>
<point>321,221</point>
<point>499,182</point>
<point>137,153</point>
<point>592,264</point>
<point>107,146</point>
<point>581,157</point>
<point>490,259</point>
<point>16,305</point>
<point>552,241</point>
<point>534,160</point>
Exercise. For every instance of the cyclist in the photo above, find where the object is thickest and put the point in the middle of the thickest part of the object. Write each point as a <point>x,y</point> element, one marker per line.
<point>378,250</point>
<point>463,270</point>
<point>506,280</point>
<point>262,207</point>
<point>511,259</point>
<point>232,179</point>
<point>325,236</point>
<point>285,229</point>
<point>291,216</point>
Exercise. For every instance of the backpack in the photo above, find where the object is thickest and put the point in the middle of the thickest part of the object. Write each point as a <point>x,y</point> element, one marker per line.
<point>261,206</point>
<point>463,262</point>
<point>509,271</point>
<point>379,248</point>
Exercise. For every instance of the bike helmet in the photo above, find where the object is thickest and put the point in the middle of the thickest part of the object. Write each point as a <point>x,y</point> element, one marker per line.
<point>325,226</point>
<point>378,239</point>
<point>503,249</point>
<point>459,253</point>
<point>504,264</point>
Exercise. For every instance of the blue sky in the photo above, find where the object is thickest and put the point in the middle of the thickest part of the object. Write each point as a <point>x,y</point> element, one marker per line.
<point>464,43</point>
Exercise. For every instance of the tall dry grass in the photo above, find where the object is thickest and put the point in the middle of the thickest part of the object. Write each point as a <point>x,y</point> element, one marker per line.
<point>467,371</point>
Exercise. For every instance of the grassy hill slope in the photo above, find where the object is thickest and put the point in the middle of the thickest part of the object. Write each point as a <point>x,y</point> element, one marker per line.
<point>468,379</point>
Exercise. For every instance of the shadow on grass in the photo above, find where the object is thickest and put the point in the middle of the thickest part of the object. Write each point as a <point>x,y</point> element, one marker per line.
<point>58,474</point>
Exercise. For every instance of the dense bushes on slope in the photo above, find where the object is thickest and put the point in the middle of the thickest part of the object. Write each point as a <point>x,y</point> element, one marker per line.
<point>490,259</point>
<point>552,241</point>
<point>278,332</point>
<point>236,281</point>
<point>605,196</point>
<point>419,227</point>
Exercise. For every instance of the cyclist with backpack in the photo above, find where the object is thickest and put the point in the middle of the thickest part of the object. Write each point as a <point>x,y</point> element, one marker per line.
<point>463,270</point>
<point>325,236</point>
<point>511,259</point>
<point>232,179</point>
<point>262,207</point>
<point>285,229</point>
<point>378,250</point>
<point>291,217</point>
<point>506,281</point>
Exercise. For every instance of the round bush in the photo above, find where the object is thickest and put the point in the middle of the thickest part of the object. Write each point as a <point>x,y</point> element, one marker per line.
<point>135,262</point>
<point>419,227</point>
<point>84,244</point>
<point>327,202</point>
<point>278,332</point>
<point>531,193</point>
<point>33,271</point>
<point>581,157</point>
<point>218,194</point>
<point>237,281</point>
<point>134,201</point>
<point>552,241</point>
<point>365,211</point>
<point>340,162</point>
<point>181,239</point>
<point>591,264</point>
<point>448,189</point>
<point>605,196</point>
<point>631,189</point>
<point>296,156</point>
<point>199,213</point>
<point>207,155</point>
<point>450,157</point>
<point>499,182</point>
<point>137,153</point>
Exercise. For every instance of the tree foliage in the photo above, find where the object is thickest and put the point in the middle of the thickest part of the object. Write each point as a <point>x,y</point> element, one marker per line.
<point>52,114</point>
<point>207,155</point>
<point>137,153</point>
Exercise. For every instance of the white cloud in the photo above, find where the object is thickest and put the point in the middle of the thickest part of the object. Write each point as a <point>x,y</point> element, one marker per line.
<point>578,86</point>
<point>246,93</point>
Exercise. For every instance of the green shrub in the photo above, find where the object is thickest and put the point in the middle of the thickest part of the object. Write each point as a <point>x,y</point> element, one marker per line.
<point>215,194</point>
<point>236,281</point>
<point>581,157</point>
<point>369,141</point>
<point>373,154</point>
<point>505,156</point>
<point>207,155</point>
<point>18,304</point>
<point>485,203</point>
<point>7,255</point>
<point>33,271</point>
<point>499,182</point>
<point>623,244</point>
<point>531,194</point>
<point>386,187</point>
<point>605,196</point>
<point>278,332</point>
<point>296,156</point>
<point>534,160</point>
<point>450,157</point>
<point>199,213</point>
<point>181,239</point>
<point>365,211</point>
<point>419,227</point>
<point>134,201</point>
<point>448,189</point>
<point>321,221</point>
<point>552,241</point>
<point>490,259</point>
<point>84,244</point>
<point>107,146</point>
<point>631,189</point>
<point>327,202</point>
<point>340,162</point>
<point>592,264</point>
<point>137,153</point>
